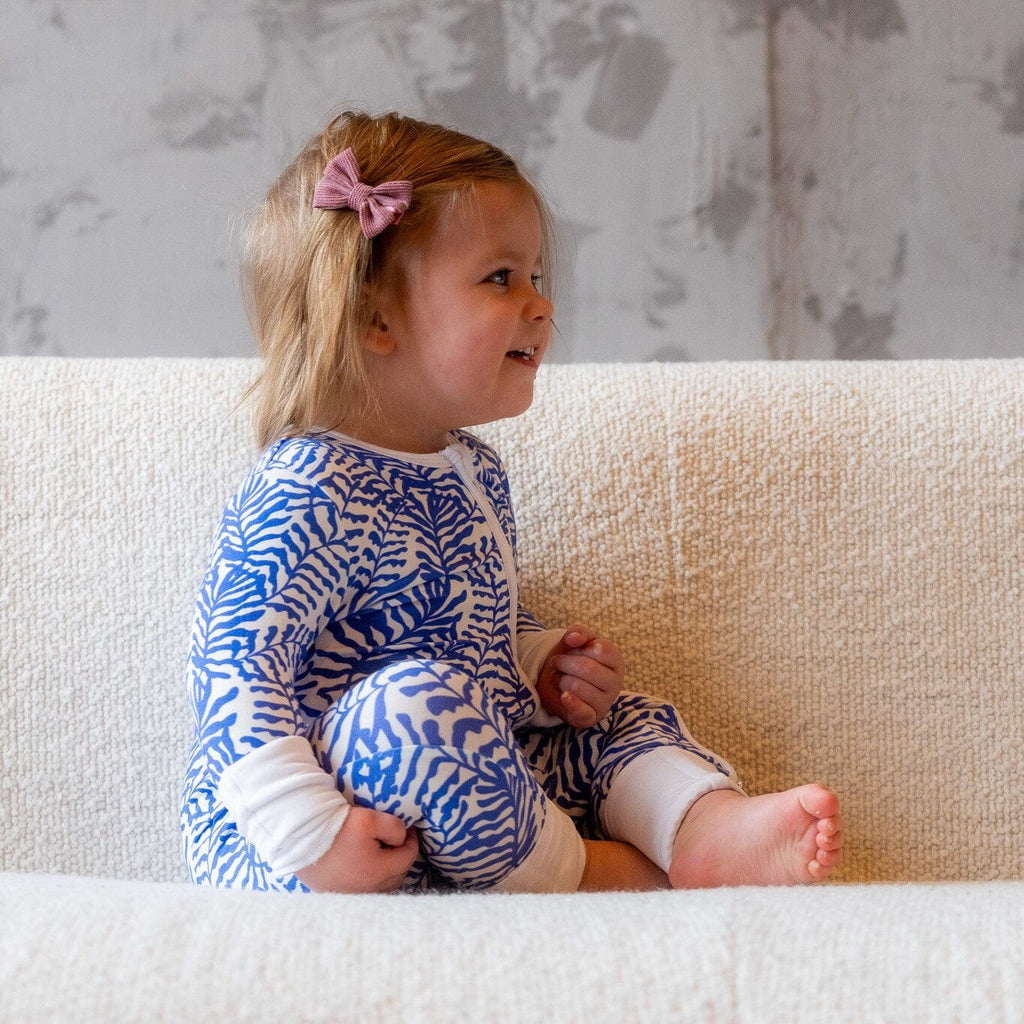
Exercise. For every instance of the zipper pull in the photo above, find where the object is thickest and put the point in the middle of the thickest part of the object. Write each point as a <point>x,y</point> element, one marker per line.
<point>455,455</point>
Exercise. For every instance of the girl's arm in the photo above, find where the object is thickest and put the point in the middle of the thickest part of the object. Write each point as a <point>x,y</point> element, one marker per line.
<point>276,567</point>
<point>279,568</point>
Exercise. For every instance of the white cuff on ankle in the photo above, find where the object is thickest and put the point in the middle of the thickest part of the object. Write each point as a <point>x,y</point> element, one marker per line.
<point>649,798</point>
<point>555,864</point>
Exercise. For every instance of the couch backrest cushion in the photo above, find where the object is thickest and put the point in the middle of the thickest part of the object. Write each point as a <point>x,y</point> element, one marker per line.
<point>821,564</point>
<point>113,473</point>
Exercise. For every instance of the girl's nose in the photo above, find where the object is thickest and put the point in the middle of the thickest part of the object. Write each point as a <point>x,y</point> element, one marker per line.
<point>540,308</point>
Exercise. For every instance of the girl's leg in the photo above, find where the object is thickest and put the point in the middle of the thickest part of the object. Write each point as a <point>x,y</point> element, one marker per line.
<point>421,740</point>
<point>683,808</point>
<point>634,775</point>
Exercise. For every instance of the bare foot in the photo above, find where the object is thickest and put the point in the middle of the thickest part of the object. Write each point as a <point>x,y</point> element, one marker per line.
<point>787,838</point>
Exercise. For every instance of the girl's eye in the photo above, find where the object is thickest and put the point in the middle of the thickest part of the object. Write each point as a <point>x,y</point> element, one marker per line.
<point>501,277</point>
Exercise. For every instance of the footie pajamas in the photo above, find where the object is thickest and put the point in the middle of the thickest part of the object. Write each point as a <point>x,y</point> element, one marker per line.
<point>358,641</point>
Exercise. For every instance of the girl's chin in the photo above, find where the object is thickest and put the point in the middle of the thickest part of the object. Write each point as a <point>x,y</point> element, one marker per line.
<point>510,407</point>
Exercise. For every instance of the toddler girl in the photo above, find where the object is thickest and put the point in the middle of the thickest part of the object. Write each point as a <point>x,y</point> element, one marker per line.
<point>374,710</point>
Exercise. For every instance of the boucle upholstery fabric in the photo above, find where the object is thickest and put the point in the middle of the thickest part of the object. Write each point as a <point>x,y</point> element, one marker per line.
<point>820,563</point>
<point>838,953</point>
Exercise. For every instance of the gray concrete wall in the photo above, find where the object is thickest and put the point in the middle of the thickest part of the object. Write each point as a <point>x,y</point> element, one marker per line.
<point>736,178</point>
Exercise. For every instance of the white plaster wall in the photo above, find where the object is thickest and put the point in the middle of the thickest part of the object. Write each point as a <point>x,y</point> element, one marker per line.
<point>736,178</point>
<point>899,179</point>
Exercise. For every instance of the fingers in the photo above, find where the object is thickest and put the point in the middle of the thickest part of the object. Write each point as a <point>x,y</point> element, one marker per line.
<point>575,637</point>
<point>395,861</point>
<point>584,704</point>
<point>581,677</point>
<point>599,650</point>
<point>396,847</point>
<point>388,829</point>
<point>372,852</point>
<point>580,641</point>
<point>590,674</point>
<point>600,669</point>
<point>576,690</point>
<point>578,713</point>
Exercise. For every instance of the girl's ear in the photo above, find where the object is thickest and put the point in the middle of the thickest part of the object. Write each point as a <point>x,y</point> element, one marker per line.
<point>377,339</point>
<point>380,298</point>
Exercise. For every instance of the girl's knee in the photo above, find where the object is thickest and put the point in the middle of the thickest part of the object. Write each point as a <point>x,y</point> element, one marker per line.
<point>415,703</point>
<point>422,702</point>
<point>421,741</point>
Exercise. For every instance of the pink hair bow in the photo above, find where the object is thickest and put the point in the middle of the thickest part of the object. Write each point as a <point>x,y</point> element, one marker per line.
<point>378,206</point>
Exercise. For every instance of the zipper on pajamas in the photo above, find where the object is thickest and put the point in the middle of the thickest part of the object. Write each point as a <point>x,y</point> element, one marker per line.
<point>455,455</point>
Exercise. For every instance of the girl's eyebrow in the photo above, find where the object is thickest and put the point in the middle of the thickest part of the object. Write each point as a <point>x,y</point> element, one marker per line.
<point>510,256</point>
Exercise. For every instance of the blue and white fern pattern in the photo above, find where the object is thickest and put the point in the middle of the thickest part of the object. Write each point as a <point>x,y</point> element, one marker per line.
<point>360,599</point>
<point>424,741</point>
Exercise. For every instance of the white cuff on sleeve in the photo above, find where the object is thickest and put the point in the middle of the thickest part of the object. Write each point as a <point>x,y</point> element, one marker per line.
<point>284,803</point>
<point>532,650</point>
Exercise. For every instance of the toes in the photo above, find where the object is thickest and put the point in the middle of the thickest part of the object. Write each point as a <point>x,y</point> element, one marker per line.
<point>830,826</point>
<point>818,801</point>
<point>829,838</point>
<point>828,858</point>
<point>818,871</point>
<point>824,864</point>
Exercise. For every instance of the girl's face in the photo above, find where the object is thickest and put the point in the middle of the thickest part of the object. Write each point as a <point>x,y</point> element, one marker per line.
<point>464,326</point>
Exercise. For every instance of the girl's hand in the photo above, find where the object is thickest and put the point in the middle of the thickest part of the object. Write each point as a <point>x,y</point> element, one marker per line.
<point>581,678</point>
<point>372,852</point>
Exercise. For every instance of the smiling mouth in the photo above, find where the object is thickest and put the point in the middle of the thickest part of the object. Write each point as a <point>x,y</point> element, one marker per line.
<point>523,355</point>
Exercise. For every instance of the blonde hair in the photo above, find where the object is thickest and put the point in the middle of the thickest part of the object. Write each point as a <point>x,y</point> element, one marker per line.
<point>308,274</point>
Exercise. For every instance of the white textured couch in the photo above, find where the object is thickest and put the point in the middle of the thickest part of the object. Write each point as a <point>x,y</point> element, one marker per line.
<point>821,564</point>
